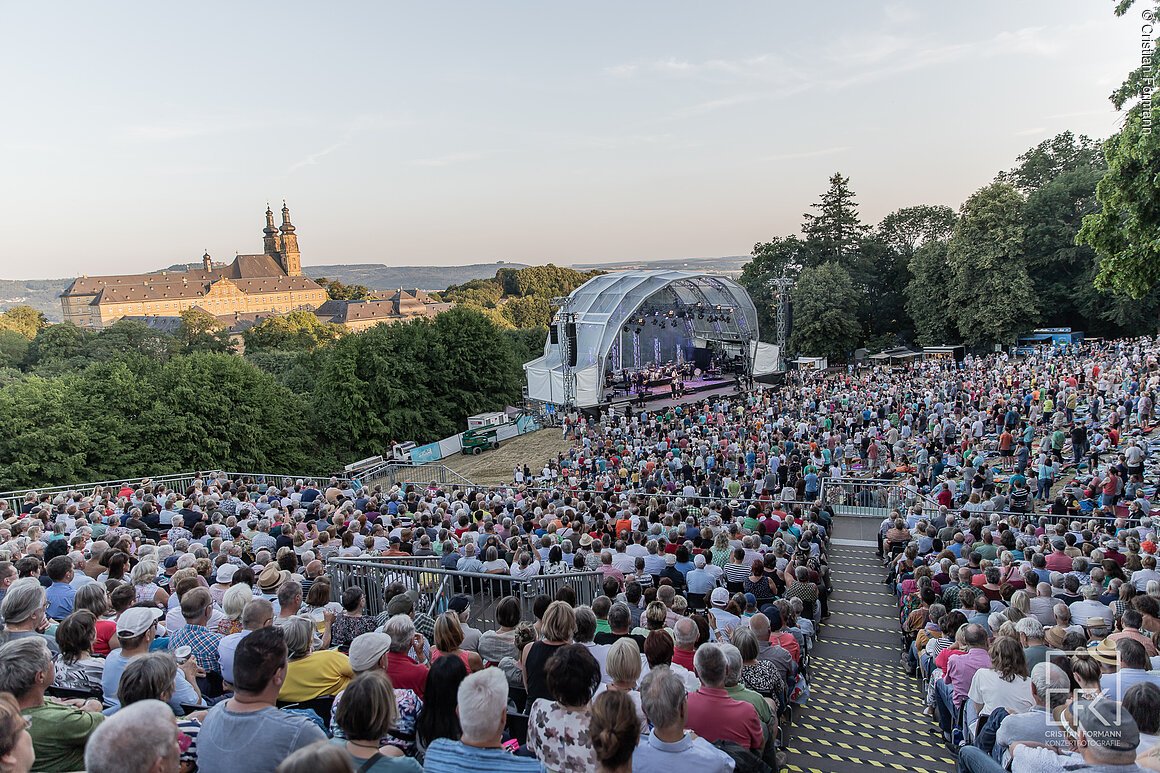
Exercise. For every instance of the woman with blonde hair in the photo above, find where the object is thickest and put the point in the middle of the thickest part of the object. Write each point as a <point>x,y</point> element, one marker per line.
<point>623,666</point>
<point>449,641</point>
<point>144,581</point>
<point>233,604</point>
<point>557,627</point>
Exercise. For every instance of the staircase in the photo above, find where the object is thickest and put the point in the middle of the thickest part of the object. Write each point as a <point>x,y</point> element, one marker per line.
<point>864,711</point>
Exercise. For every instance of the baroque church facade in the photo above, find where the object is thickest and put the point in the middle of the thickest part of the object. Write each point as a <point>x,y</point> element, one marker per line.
<point>269,283</point>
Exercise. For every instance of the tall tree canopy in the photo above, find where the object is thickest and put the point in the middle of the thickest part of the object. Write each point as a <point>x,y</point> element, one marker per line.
<point>824,322</point>
<point>927,295</point>
<point>1125,232</point>
<point>836,228</point>
<point>992,298</point>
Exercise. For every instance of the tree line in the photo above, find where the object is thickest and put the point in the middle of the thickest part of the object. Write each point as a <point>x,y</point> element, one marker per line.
<point>129,401</point>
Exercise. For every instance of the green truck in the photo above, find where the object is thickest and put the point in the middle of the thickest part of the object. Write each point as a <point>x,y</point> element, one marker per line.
<point>476,441</point>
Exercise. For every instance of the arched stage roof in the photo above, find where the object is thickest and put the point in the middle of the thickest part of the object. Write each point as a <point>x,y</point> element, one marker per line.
<point>605,304</point>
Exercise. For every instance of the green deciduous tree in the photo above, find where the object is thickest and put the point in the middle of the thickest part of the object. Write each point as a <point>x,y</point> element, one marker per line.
<point>201,331</point>
<point>478,293</point>
<point>24,320</point>
<point>909,228</point>
<point>992,297</point>
<point>530,311</point>
<point>884,307</point>
<point>1125,232</point>
<point>417,380</point>
<point>927,297</point>
<point>296,330</point>
<point>779,257</point>
<point>824,322</point>
<point>130,336</point>
<point>527,344</point>
<point>13,349</point>
<point>338,291</point>
<point>58,348</point>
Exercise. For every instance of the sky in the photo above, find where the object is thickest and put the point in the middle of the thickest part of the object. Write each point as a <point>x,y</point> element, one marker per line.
<point>138,135</point>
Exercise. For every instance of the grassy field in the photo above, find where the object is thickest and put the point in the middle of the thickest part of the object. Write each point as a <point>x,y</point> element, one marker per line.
<point>495,467</point>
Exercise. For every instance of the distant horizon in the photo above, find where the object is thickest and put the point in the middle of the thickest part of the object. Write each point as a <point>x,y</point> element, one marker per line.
<point>589,266</point>
<point>434,135</point>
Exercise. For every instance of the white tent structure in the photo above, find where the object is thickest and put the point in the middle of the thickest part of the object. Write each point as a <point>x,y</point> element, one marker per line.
<point>633,318</point>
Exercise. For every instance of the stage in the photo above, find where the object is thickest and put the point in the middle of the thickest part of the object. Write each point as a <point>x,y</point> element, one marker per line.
<point>694,389</point>
<point>661,323</point>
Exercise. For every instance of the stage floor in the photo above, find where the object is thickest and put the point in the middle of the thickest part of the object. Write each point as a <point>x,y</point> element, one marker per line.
<point>696,390</point>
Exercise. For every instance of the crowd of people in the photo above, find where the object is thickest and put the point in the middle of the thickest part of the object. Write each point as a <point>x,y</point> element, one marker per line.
<point>150,629</point>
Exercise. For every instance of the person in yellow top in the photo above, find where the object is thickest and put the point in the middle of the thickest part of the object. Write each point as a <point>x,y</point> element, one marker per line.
<point>311,674</point>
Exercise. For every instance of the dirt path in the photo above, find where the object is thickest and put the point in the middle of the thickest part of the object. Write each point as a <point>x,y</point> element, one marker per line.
<point>495,467</point>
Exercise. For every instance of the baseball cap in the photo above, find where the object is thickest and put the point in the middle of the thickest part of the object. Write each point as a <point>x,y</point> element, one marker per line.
<point>170,562</point>
<point>402,604</point>
<point>720,597</point>
<point>225,573</point>
<point>459,603</point>
<point>135,621</point>
<point>367,649</point>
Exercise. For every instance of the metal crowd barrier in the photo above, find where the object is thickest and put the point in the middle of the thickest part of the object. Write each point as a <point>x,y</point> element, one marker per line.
<point>178,483</point>
<point>864,497</point>
<point>403,473</point>
<point>435,586</point>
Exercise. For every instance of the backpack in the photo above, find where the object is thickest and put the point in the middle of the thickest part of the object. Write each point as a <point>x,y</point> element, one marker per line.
<point>744,760</point>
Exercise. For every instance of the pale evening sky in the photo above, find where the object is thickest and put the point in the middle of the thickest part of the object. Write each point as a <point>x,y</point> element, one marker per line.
<point>137,135</point>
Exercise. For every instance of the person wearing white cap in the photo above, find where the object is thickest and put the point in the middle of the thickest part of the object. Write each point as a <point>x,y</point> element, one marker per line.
<point>720,618</point>
<point>136,629</point>
<point>699,580</point>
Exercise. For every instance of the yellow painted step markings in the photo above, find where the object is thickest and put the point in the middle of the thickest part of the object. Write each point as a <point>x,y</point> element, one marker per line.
<point>887,681</point>
<point>859,687</point>
<point>905,715</point>
<point>872,750</point>
<point>888,618</point>
<point>837,643</point>
<point>910,699</point>
<point>855,760</point>
<point>843,627</point>
<point>864,731</point>
<point>824,665</point>
<point>862,683</point>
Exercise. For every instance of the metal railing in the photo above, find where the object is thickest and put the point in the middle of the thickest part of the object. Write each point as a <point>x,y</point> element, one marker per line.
<point>179,482</point>
<point>873,497</point>
<point>435,586</point>
<point>403,473</point>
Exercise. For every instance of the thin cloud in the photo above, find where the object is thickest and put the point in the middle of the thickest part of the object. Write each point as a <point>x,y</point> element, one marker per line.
<point>358,125</point>
<point>1031,132</point>
<point>450,159</point>
<point>313,158</point>
<point>808,154</point>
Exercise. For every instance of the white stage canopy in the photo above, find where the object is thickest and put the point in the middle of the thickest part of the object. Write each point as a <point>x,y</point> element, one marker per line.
<point>608,307</point>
